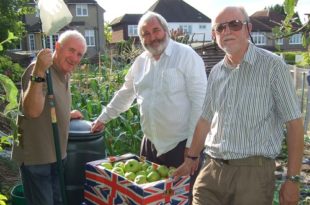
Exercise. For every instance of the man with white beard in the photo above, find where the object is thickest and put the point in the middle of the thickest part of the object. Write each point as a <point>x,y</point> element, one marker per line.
<point>168,82</point>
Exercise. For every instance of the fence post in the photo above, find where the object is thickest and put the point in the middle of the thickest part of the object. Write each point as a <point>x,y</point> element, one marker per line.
<point>307,115</point>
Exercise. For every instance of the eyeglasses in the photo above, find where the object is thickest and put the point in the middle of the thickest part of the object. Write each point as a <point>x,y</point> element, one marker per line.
<point>234,25</point>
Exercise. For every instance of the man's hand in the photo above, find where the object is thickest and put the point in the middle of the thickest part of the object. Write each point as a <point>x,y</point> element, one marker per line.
<point>188,167</point>
<point>97,126</point>
<point>75,114</point>
<point>43,62</point>
<point>289,193</point>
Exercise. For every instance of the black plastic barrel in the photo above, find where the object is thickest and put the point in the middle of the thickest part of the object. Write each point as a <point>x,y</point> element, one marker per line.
<point>83,147</point>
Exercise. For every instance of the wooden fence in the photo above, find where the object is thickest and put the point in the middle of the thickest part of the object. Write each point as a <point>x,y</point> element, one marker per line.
<point>303,92</point>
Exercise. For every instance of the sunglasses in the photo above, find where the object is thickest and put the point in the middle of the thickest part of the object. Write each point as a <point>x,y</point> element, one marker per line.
<point>234,25</point>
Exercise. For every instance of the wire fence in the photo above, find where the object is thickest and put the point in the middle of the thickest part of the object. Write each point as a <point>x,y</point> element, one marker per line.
<point>303,92</point>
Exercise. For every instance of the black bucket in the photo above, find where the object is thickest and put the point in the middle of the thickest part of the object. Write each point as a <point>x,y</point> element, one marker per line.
<point>17,195</point>
<point>83,147</point>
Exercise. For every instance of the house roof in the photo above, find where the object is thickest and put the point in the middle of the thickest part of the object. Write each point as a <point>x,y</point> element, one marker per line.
<point>178,11</point>
<point>266,20</point>
<point>127,18</point>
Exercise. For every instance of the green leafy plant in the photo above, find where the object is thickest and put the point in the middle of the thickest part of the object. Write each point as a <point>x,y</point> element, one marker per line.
<point>3,199</point>
<point>8,99</point>
<point>10,111</point>
<point>92,88</point>
<point>286,29</point>
<point>10,69</point>
<point>9,39</point>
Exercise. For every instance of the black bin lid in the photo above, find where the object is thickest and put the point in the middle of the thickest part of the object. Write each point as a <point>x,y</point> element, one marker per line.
<point>80,129</point>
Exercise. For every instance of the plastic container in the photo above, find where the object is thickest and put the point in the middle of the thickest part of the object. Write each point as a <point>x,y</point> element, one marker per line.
<point>17,195</point>
<point>83,147</point>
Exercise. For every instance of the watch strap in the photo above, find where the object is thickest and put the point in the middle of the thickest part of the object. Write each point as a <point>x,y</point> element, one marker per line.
<point>192,158</point>
<point>36,79</point>
<point>295,178</point>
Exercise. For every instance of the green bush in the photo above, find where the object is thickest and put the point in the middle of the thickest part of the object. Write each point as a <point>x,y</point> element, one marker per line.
<point>289,57</point>
<point>306,60</point>
<point>10,69</point>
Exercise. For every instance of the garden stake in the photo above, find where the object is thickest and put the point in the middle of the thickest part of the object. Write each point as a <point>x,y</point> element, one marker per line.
<point>60,166</point>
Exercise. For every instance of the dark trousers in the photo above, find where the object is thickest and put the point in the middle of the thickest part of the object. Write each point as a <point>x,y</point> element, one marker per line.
<point>41,184</point>
<point>173,158</point>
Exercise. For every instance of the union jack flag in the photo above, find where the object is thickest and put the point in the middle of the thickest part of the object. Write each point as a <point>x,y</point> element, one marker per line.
<point>103,187</point>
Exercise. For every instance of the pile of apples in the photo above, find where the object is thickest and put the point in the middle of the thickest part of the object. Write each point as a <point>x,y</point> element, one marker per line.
<point>139,172</point>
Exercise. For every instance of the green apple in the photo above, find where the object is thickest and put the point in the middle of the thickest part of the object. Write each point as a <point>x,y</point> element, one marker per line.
<point>171,170</point>
<point>153,176</point>
<point>140,179</point>
<point>141,172</point>
<point>144,165</point>
<point>130,176</point>
<point>119,164</point>
<point>132,165</point>
<point>118,170</point>
<point>149,169</point>
<point>106,165</point>
<point>163,170</point>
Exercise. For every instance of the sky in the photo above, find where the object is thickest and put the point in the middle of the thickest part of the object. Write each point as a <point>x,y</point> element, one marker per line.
<point>116,8</point>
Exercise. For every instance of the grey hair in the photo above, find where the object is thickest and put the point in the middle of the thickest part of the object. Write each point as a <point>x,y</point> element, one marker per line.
<point>72,34</point>
<point>147,17</point>
<point>245,14</point>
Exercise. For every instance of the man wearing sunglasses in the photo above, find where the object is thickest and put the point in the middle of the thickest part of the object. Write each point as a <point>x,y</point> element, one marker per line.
<point>250,96</point>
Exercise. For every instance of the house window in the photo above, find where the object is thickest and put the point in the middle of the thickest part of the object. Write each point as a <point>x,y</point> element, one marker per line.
<point>90,38</point>
<point>31,40</point>
<point>81,10</point>
<point>132,30</point>
<point>202,27</point>
<point>259,38</point>
<point>279,41</point>
<point>50,41</point>
<point>187,29</point>
<point>295,39</point>
<point>37,11</point>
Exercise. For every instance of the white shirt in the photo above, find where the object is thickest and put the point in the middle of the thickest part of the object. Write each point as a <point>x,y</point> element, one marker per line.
<point>170,94</point>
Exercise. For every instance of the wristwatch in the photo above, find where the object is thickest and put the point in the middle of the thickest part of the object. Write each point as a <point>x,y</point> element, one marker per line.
<point>295,178</point>
<point>36,79</point>
<point>192,158</point>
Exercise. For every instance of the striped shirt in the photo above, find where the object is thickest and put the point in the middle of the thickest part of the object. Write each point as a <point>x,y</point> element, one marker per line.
<point>248,106</point>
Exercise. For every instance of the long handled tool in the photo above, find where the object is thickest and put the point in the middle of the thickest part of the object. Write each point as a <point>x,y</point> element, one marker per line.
<point>54,16</point>
<point>60,167</point>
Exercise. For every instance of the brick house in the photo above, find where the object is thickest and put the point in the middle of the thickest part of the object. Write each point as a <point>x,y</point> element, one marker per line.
<point>87,18</point>
<point>179,15</point>
<point>263,22</point>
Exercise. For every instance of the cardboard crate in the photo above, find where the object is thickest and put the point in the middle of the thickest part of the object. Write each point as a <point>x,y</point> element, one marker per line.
<point>103,187</point>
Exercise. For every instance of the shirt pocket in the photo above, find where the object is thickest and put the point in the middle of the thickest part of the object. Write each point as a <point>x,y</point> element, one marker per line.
<point>255,104</point>
<point>173,81</point>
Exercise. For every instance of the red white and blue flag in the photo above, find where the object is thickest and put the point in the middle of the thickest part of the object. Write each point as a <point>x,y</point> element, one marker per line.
<point>103,187</point>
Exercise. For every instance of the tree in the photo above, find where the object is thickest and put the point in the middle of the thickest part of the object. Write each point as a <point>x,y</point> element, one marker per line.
<point>278,9</point>
<point>107,32</point>
<point>286,29</point>
<point>11,12</point>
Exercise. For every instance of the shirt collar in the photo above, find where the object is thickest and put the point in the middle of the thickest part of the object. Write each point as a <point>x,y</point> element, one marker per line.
<point>168,50</point>
<point>60,74</point>
<point>249,57</point>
